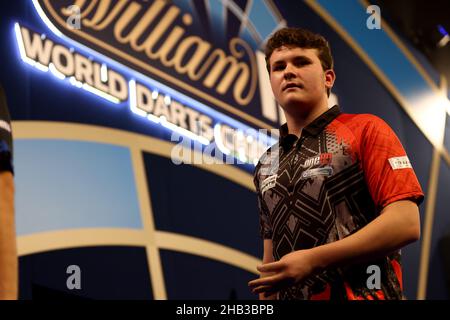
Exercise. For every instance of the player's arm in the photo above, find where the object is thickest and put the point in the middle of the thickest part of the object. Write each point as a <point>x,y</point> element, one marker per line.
<point>396,226</point>
<point>267,258</point>
<point>8,248</point>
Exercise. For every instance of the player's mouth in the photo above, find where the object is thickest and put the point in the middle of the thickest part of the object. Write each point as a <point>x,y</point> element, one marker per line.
<point>292,85</point>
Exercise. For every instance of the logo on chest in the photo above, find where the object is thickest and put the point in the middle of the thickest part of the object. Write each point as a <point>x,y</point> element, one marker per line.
<point>311,173</point>
<point>321,159</point>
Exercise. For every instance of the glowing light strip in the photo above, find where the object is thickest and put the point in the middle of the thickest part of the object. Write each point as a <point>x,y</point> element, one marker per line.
<point>51,67</point>
<point>75,82</point>
<point>153,118</point>
<point>55,72</point>
<point>41,67</point>
<point>23,54</point>
<point>93,90</point>
<point>133,103</point>
<point>20,43</point>
<point>160,120</point>
<point>104,73</point>
<point>100,93</point>
<point>183,131</point>
<point>45,19</point>
<point>219,141</point>
<point>240,150</point>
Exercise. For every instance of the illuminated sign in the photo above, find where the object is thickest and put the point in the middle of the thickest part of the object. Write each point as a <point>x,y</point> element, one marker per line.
<point>161,41</point>
<point>209,49</point>
<point>83,72</point>
<point>46,55</point>
<point>166,43</point>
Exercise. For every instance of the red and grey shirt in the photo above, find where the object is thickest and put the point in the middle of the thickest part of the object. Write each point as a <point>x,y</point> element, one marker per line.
<point>328,184</point>
<point>5,135</point>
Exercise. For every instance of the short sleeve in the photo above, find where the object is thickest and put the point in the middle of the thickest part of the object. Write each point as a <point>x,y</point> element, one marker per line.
<point>388,172</point>
<point>265,227</point>
<point>5,135</point>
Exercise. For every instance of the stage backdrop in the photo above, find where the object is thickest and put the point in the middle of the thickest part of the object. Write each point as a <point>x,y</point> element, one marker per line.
<point>107,97</point>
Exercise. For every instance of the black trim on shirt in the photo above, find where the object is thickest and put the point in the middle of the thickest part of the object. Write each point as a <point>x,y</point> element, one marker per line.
<point>313,129</point>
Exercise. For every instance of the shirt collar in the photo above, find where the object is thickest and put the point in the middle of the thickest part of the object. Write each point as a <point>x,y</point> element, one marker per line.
<point>312,129</point>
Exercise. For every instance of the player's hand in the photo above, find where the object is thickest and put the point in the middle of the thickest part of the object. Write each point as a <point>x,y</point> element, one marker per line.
<point>290,269</point>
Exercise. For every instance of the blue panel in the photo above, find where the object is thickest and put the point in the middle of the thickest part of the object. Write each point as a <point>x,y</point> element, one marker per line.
<point>198,203</point>
<point>186,6</point>
<point>193,277</point>
<point>419,151</point>
<point>106,273</point>
<point>262,18</point>
<point>217,18</point>
<point>441,226</point>
<point>247,36</point>
<point>351,15</point>
<point>71,184</point>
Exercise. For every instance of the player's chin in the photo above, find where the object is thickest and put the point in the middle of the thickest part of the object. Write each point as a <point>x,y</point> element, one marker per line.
<point>292,102</point>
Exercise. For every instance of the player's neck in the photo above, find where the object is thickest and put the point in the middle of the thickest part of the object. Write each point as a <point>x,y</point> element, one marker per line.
<point>296,122</point>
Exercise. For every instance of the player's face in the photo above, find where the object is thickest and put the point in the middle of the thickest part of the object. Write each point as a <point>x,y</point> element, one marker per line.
<point>297,77</point>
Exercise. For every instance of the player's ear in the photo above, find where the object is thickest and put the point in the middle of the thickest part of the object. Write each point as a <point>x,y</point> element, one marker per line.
<point>330,77</point>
